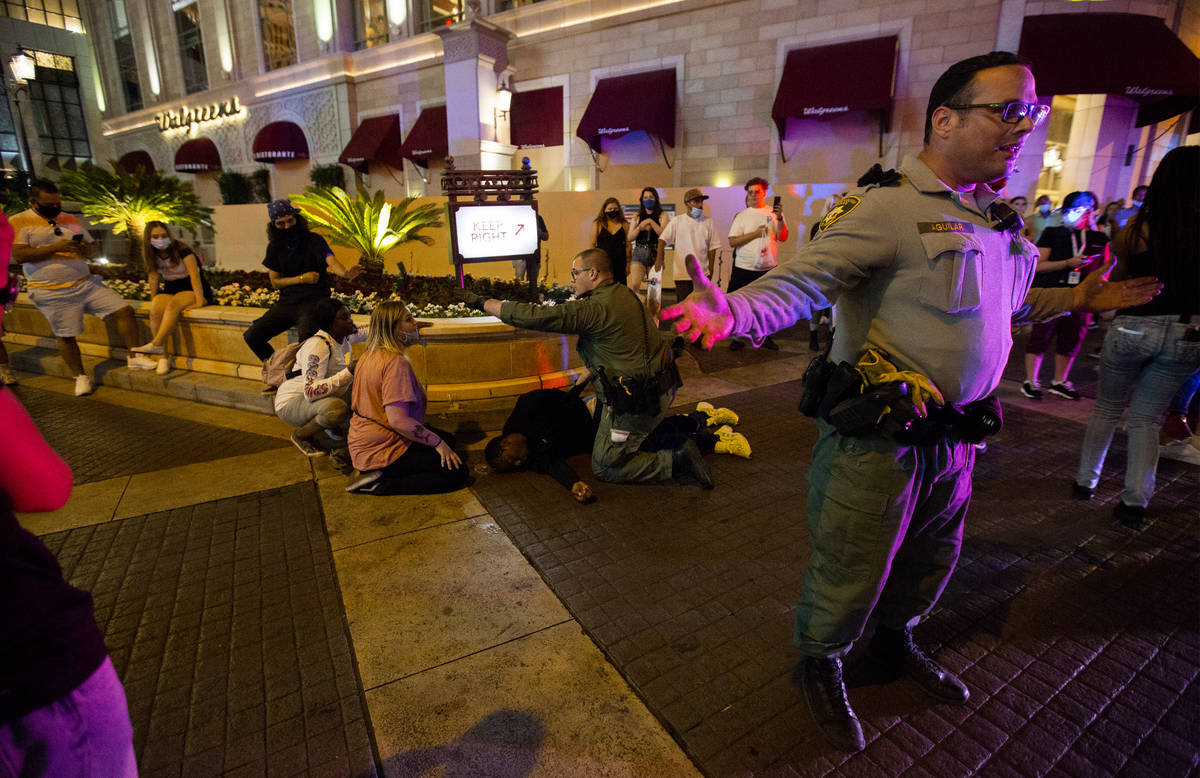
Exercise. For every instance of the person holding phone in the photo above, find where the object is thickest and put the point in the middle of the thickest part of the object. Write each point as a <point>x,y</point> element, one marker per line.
<point>55,249</point>
<point>755,237</point>
<point>1067,252</point>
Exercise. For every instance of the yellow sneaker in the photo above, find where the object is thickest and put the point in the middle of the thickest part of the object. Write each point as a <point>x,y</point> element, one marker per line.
<point>733,443</point>
<point>717,415</point>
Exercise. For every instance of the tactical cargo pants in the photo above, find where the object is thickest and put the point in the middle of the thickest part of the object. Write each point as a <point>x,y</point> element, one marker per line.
<point>886,522</point>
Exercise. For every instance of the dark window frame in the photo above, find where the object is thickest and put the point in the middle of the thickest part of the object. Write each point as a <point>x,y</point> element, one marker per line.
<point>58,109</point>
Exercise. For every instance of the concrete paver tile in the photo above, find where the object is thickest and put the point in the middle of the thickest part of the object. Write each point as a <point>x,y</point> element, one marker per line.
<point>205,481</point>
<point>417,600</point>
<point>90,503</point>
<point>547,705</point>
<point>353,519</point>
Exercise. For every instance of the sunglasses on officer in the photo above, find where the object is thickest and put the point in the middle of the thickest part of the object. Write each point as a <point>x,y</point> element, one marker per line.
<point>1011,112</point>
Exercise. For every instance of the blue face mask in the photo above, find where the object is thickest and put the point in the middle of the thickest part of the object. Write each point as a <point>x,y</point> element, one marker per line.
<point>696,213</point>
<point>649,204</point>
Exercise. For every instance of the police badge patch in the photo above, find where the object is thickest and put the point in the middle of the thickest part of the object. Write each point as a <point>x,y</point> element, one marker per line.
<point>843,207</point>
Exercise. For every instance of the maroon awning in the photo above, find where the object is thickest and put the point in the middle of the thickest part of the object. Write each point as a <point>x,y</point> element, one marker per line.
<point>537,118</point>
<point>622,104</point>
<point>1111,53</point>
<point>377,139</point>
<point>198,155</point>
<point>136,159</point>
<point>827,81</point>
<point>280,142</point>
<point>427,139</point>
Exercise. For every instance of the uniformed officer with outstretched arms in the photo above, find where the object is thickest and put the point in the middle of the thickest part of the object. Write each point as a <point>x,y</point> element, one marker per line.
<point>928,280</point>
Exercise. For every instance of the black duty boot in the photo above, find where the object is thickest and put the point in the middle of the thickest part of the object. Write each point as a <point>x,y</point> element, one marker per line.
<point>821,679</point>
<point>895,651</point>
<point>688,460</point>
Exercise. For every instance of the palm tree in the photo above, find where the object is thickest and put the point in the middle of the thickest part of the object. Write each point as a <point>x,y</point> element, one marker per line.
<point>128,200</point>
<point>368,224</point>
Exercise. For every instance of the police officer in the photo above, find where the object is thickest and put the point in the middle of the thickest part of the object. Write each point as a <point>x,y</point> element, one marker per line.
<point>923,270</point>
<point>621,345</point>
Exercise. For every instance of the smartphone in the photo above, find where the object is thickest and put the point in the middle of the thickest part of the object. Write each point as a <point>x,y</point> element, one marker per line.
<point>776,201</point>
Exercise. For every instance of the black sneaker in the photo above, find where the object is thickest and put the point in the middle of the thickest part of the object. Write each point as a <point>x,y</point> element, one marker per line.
<point>736,345</point>
<point>1031,390</point>
<point>1132,516</point>
<point>770,345</point>
<point>1081,492</point>
<point>1065,390</point>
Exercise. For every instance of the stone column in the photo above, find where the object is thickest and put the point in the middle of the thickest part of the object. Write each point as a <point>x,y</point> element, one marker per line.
<point>475,62</point>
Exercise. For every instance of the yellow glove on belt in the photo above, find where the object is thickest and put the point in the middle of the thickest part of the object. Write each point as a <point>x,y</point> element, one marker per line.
<point>878,369</point>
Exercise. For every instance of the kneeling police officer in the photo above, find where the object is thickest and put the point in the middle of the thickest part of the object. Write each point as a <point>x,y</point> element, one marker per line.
<point>635,372</point>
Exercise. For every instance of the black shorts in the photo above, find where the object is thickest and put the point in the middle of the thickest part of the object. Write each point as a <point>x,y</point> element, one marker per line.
<point>177,285</point>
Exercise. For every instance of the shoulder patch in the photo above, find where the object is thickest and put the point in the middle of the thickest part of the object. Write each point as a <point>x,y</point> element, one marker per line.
<point>843,207</point>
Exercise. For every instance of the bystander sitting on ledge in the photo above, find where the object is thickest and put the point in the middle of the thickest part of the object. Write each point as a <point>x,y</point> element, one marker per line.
<point>314,399</point>
<point>184,287</point>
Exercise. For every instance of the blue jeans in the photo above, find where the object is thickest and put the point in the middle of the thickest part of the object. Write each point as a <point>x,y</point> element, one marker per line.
<point>1148,355</point>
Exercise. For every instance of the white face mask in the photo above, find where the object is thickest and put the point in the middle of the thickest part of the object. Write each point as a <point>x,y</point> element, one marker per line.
<point>696,213</point>
<point>411,338</point>
<point>1044,209</point>
<point>161,244</point>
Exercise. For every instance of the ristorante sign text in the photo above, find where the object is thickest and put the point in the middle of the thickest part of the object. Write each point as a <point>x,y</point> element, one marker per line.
<point>184,118</point>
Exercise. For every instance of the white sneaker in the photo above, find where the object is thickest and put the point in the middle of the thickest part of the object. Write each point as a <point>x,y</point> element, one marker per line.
<point>139,362</point>
<point>163,367</point>
<point>83,385</point>
<point>6,376</point>
<point>1185,453</point>
<point>149,348</point>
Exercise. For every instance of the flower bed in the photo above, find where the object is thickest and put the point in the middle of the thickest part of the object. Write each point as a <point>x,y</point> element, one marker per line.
<point>427,296</point>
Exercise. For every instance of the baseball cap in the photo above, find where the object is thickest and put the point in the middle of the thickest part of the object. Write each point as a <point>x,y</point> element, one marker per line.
<point>694,194</point>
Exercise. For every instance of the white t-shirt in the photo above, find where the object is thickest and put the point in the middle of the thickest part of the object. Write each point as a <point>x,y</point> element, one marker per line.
<point>321,361</point>
<point>690,236</point>
<point>760,253</point>
<point>32,229</point>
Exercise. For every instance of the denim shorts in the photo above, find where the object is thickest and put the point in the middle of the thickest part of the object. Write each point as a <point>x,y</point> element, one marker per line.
<point>64,308</point>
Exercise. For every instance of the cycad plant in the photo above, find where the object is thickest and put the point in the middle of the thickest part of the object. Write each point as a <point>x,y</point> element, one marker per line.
<point>368,224</point>
<point>128,200</point>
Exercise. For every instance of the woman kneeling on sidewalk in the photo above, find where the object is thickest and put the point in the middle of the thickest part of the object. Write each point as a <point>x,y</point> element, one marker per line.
<point>389,442</point>
<point>314,400</point>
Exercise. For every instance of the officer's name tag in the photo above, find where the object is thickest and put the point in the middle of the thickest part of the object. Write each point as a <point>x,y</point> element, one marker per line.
<point>927,227</point>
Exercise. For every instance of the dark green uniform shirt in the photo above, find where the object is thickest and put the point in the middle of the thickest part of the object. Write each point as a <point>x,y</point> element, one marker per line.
<point>615,330</point>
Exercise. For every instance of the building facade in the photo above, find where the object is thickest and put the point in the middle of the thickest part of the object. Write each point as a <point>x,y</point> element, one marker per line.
<point>663,92</point>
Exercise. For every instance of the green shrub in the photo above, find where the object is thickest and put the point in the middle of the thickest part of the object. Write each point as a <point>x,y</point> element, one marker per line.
<point>328,176</point>
<point>260,184</point>
<point>235,188</point>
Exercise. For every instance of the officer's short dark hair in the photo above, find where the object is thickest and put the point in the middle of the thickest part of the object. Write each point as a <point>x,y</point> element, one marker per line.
<point>42,185</point>
<point>597,258</point>
<point>755,182</point>
<point>957,85</point>
<point>1076,198</point>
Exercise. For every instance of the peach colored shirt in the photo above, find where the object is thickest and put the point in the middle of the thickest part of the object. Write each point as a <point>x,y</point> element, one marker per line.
<point>380,379</point>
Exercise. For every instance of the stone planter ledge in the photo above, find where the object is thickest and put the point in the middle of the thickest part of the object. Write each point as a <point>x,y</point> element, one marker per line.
<point>466,365</point>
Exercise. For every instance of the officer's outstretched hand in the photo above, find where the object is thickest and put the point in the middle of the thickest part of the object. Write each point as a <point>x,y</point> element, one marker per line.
<point>704,316</point>
<point>1096,293</point>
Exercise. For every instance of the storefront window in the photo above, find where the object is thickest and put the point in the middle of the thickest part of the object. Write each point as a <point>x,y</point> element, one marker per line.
<point>278,33</point>
<point>63,14</point>
<point>58,107</point>
<point>191,45</point>
<point>10,148</point>
<point>372,27</point>
<point>1054,156</point>
<point>127,71</point>
<point>437,13</point>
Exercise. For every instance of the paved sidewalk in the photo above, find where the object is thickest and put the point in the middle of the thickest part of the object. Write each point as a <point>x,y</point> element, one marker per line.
<point>266,622</point>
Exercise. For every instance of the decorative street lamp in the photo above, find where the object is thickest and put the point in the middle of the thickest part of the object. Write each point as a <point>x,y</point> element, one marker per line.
<point>24,70</point>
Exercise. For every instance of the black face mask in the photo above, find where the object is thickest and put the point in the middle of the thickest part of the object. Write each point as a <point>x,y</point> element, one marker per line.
<point>48,211</point>
<point>614,215</point>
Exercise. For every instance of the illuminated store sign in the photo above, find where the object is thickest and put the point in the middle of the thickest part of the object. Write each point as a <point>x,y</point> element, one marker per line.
<point>496,231</point>
<point>184,118</point>
<point>821,110</point>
